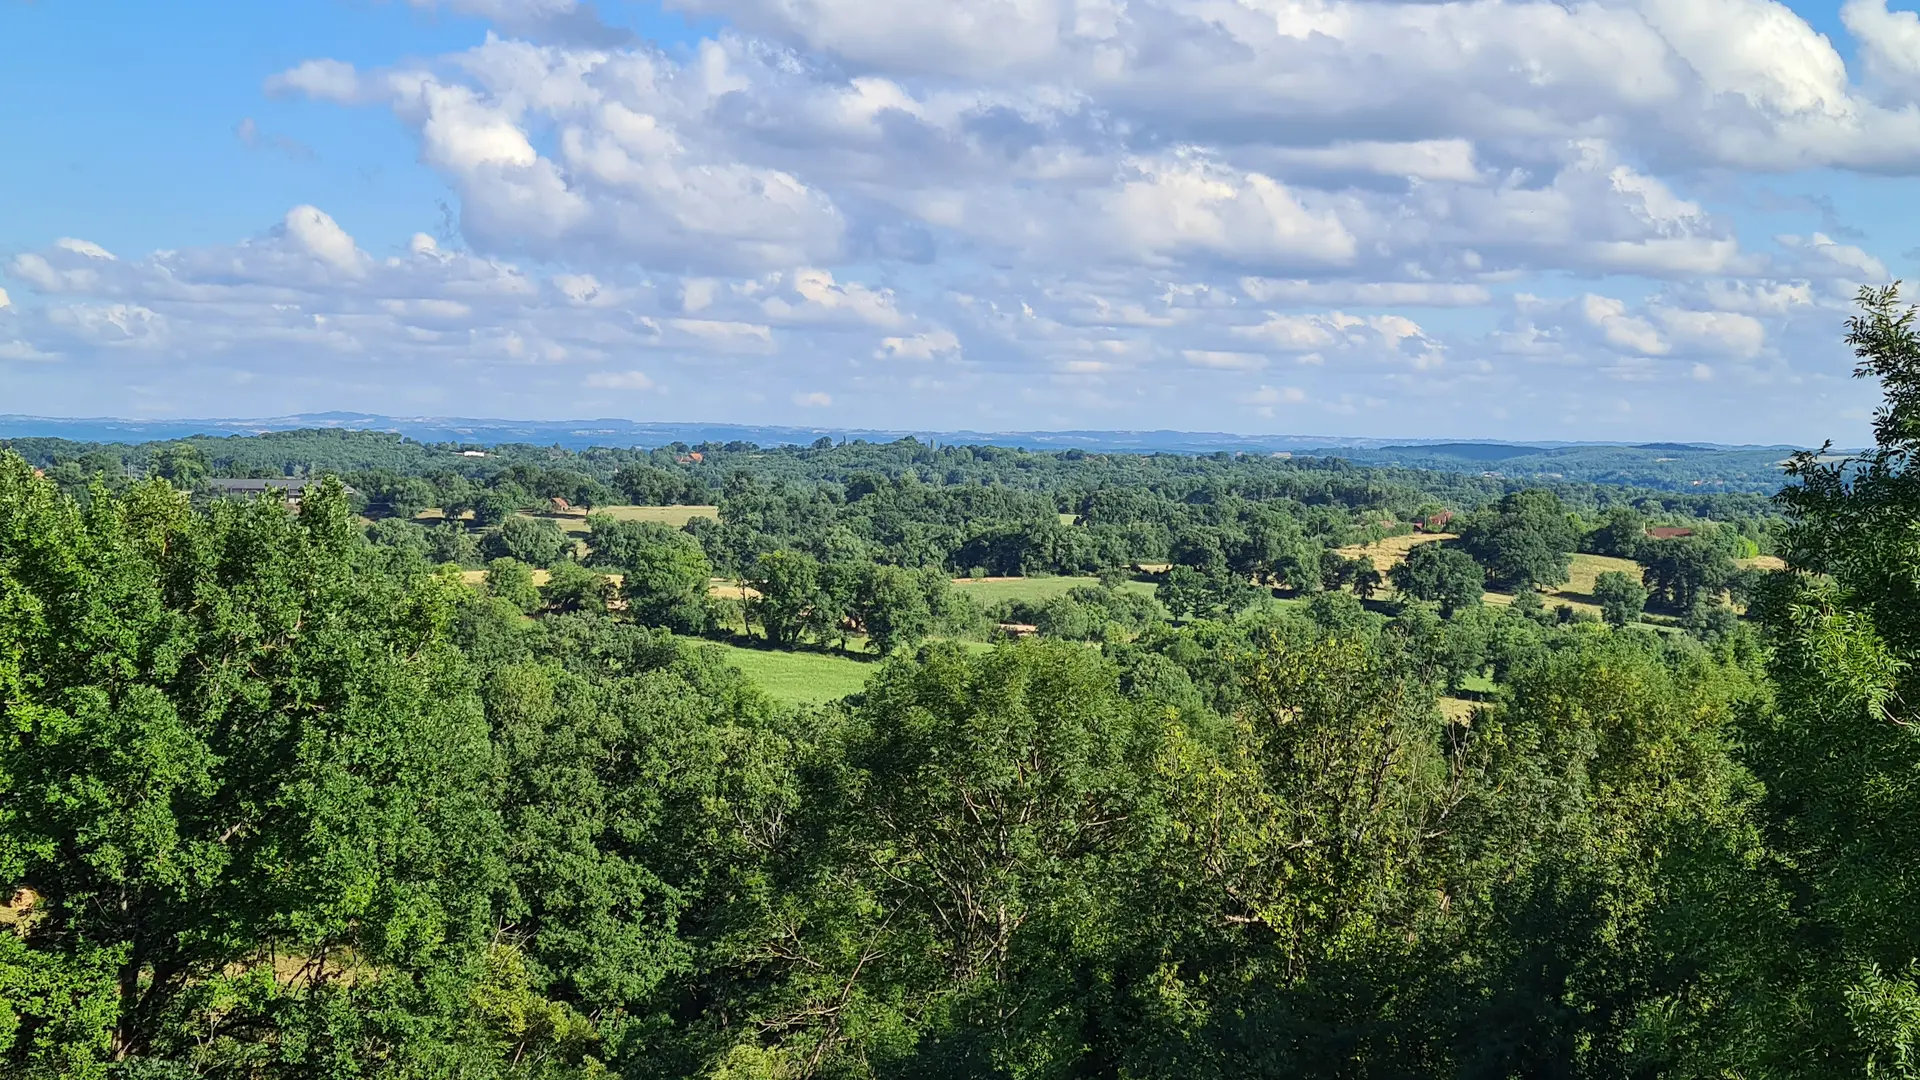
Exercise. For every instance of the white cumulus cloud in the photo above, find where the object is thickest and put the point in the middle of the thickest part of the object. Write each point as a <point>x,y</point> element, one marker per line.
<point>994,213</point>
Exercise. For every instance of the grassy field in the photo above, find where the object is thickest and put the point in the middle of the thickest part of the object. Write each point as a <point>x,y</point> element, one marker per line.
<point>1478,684</point>
<point>540,577</point>
<point>479,577</point>
<point>800,678</point>
<point>1552,598</point>
<point>1585,568</point>
<point>1577,593</point>
<point>991,590</point>
<point>729,589</point>
<point>676,516</point>
<point>672,516</point>
<point>1388,553</point>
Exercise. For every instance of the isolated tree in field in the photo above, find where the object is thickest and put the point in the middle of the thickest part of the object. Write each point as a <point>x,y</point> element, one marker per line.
<point>666,579</point>
<point>1338,571</point>
<point>534,541</point>
<point>1526,539</point>
<point>891,605</point>
<point>1300,565</point>
<point>493,506</point>
<point>410,496</point>
<point>1185,591</point>
<point>1746,584</point>
<point>788,588</point>
<point>452,543</point>
<point>1621,598</point>
<point>512,580</point>
<point>1366,580</point>
<point>1067,619</point>
<point>1444,575</point>
<point>1681,572</point>
<point>612,542</point>
<point>572,587</point>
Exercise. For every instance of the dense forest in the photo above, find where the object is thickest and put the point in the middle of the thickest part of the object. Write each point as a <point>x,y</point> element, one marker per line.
<point>285,793</point>
<point>962,508</point>
<point>1682,467</point>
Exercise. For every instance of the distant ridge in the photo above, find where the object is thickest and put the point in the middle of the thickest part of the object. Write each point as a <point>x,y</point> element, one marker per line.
<point>1468,451</point>
<point>580,434</point>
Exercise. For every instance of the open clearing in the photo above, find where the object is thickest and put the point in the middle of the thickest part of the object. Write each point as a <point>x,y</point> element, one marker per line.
<point>1033,589</point>
<point>1585,568</point>
<point>675,516</point>
<point>799,678</point>
<point>479,577</point>
<point>1577,593</point>
<point>1387,553</point>
<point>540,577</point>
<point>729,589</point>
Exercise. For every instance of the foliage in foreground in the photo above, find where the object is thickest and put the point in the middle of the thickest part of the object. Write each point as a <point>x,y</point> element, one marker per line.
<point>278,802</point>
<point>278,805</point>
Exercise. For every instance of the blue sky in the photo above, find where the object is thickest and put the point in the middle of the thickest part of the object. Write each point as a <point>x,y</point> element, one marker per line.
<point>1512,219</point>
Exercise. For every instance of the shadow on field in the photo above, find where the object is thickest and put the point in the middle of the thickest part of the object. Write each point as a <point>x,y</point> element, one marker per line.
<point>760,644</point>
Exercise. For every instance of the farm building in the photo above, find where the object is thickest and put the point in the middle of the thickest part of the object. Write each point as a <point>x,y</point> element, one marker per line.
<point>1668,532</point>
<point>1018,630</point>
<point>559,505</point>
<point>1435,522</point>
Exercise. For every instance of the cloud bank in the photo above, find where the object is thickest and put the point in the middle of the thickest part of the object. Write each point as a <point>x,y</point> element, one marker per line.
<point>1489,217</point>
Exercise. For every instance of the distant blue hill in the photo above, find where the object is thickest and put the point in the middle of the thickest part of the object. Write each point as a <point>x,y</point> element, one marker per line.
<point>1677,467</point>
<point>579,434</point>
<point>1473,451</point>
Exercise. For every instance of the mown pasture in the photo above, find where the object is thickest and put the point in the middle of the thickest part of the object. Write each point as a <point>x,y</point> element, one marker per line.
<point>800,677</point>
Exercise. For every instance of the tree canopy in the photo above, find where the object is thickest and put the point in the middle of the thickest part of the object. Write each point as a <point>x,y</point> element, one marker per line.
<point>283,795</point>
